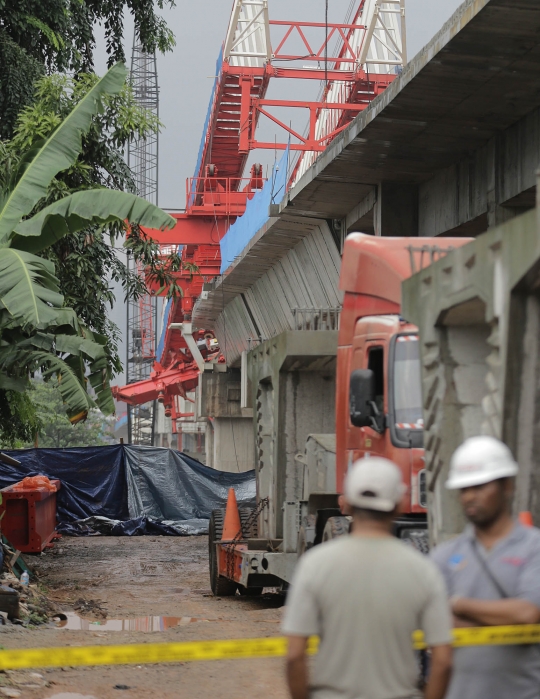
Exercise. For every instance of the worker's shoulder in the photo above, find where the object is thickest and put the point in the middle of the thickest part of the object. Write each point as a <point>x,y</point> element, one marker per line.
<point>445,550</point>
<point>410,556</point>
<point>330,553</point>
<point>329,550</point>
<point>363,549</point>
<point>529,537</point>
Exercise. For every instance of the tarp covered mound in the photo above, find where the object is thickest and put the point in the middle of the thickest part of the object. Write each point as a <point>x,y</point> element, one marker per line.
<point>130,490</point>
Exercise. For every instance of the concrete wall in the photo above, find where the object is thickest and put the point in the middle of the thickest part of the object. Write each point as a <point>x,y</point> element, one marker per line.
<point>229,431</point>
<point>293,386</point>
<point>308,406</point>
<point>306,277</point>
<point>478,315</point>
<point>489,187</point>
<point>232,444</point>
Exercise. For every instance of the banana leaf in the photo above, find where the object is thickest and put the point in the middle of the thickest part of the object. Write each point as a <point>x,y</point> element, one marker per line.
<point>76,399</point>
<point>28,288</point>
<point>71,344</point>
<point>12,383</point>
<point>58,152</point>
<point>79,210</point>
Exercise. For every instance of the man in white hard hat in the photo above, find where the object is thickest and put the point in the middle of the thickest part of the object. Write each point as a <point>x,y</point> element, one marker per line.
<point>364,594</point>
<point>492,573</point>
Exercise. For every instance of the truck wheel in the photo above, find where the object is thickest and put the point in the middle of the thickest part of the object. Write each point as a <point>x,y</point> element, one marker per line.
<point>221,587</point>
<point>417,538</point>
<point>249,530</point>
<point>335,526</point>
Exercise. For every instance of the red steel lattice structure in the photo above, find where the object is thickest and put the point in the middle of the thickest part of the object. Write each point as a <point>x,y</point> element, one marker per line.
<point>365,62</point>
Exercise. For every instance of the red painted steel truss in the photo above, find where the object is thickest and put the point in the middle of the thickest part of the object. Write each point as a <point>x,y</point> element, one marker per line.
<point>218,194</point>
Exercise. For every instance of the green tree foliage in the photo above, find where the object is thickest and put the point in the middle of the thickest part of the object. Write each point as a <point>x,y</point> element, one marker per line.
<point>54,428</point>
<point>86,261</point>
<point>18,74</point>
<point>59,35</point>
<point>37,332</point>
<point>19,422</point>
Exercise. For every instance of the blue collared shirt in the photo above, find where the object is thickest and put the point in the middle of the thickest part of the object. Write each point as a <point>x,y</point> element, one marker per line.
<point>494,672</point>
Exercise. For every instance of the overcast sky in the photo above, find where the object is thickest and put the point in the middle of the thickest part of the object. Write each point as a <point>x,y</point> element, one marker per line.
<point>186,74</point>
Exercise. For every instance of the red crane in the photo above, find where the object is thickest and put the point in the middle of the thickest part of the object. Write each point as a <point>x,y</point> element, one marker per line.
<point>368,50</point>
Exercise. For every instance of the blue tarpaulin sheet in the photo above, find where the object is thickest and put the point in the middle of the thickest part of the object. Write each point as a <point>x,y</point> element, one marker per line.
<point>256,214</point>
<point>130,489</point>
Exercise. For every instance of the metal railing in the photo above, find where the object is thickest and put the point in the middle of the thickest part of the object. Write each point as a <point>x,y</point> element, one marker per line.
<point>425,255</point>
<point>316,318</point>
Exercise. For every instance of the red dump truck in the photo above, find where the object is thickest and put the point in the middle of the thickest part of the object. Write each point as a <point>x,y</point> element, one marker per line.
<point>378,412</point>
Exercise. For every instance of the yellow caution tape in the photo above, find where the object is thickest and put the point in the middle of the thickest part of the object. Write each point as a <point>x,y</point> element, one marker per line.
<point>149,653</point>
<point>488,636</point>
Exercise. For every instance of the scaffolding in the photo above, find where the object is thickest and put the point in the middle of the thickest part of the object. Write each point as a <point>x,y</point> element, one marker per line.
<point>142,313</point>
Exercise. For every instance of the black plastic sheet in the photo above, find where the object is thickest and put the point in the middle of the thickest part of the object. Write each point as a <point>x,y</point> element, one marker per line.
<point>130,490</point>
<point>140,526</point>
<point>170,487</point>
<point>93,479</point>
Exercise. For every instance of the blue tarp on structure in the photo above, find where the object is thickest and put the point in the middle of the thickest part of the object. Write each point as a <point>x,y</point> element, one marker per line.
<point>219,66</point>
<point>256,214</point>
<point>165,325</point>
<point>130,490</point>
<point>93,479</point>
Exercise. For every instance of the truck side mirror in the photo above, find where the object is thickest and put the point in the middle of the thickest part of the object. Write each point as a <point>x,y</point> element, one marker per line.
<point>362,397</point>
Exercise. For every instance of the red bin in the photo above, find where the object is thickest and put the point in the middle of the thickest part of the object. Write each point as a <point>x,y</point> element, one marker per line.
<point>29,522</point>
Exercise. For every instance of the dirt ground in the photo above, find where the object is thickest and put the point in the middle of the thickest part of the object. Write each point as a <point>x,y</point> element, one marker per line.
<point>121,578</point>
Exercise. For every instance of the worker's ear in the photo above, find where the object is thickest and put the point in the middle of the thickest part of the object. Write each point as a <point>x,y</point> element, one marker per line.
<point>344,506</point>
<point>403,505</point>
<point>509,487</point>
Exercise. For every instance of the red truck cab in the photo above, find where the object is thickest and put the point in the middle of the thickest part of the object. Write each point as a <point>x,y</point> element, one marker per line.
<point>379,388</point>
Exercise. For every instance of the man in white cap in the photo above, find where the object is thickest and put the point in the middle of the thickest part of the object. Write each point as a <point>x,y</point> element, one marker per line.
<point>492,573</point>
<point>364,595</point>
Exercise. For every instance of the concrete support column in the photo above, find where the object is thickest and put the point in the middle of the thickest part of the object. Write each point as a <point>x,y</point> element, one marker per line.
<point>396,210</point>
<point>233,444</point>
<point>496,174</point>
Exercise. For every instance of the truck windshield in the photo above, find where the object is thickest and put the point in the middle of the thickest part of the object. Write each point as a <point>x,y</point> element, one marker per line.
<point>407,383</point>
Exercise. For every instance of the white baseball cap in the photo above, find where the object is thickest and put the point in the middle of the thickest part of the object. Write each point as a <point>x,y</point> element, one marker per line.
<point>374,483</point>
<point>480,460</point>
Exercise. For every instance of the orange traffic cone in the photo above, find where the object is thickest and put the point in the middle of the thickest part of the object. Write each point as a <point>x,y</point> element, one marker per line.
<point>231,526</point>
<point>526,519</point>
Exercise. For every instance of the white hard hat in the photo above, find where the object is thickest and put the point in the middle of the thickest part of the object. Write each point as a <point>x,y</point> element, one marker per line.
<point>480,460</point>
<point>374,483</point>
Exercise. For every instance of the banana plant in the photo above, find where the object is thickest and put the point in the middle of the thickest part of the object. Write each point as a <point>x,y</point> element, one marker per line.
<point>37,333</point>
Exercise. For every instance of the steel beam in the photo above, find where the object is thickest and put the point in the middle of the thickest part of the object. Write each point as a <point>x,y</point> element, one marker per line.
<point>190,230</point>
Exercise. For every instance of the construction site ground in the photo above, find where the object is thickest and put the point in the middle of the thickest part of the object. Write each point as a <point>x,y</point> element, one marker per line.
<point>119,578</point>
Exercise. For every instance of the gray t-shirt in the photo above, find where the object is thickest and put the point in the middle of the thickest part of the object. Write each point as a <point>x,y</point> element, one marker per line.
<point>364,597</point>
<point>494,672</point>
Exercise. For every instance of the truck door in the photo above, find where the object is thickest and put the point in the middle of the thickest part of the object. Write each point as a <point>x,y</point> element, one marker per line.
<point>374,442</point>
<point>368,353</point>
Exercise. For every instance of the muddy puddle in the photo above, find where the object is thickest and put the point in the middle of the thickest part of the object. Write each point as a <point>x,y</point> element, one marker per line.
<point>73,622</point>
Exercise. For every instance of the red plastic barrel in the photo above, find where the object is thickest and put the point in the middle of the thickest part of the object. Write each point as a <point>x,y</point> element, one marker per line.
<point>29,522</point>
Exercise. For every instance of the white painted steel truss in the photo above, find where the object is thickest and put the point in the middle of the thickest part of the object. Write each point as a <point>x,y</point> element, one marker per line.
<point>382,48</point>
<point>248,37</point>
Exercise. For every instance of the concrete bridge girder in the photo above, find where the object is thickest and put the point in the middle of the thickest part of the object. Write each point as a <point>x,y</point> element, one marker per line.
<point>488,187</point>
<point>293,385</point>
<point>478,315</point>
<point>272,286</point>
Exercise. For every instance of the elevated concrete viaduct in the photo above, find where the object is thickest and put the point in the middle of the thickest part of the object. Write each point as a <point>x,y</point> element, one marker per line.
<point>450,148</point>
<point>452,145</point>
